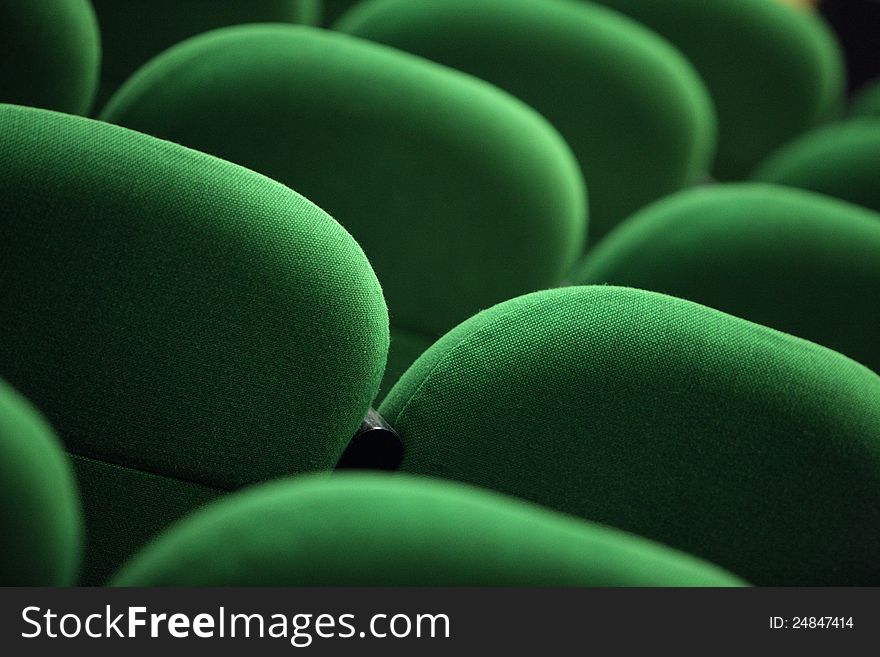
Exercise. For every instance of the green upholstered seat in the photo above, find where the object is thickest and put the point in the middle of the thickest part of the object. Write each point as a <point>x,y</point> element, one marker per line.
<point>773,71</point>
<point>794,260</point>
<point>460,195</point>
<point>392,530</point>
<point>134,31</point>
<point>748,447</point>
<point>50,54</point>
<point>187,326</point>
<point>40,515</point>
<point>867,101</point>
<point>632,108</point>
<point>840,160</point>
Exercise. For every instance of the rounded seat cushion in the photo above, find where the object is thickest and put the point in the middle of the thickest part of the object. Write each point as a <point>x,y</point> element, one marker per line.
<point>796,261</point>
<point>50,54</point>
<point>188,326</point>
<point>748,447</point>
<point>40,512</point>
<point>460,195</point>
<point>392,530</point>
<point>840,160</point>
<point>773,71</point>
<point>632,108</point>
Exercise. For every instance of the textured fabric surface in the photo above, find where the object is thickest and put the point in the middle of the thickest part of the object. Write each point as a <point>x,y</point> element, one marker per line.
<point>633,110</point>
<point>50,54</point>
<point>797,261</point>
<point>840,160</point>
<point>400,531</point>
<point>404,349</point>
<point>460,195</point>
<point>175,313</point>
<point>133,31</point>
<point>40,516</point>
<point>773,71</point>
<point>125,509</point>
<point>750,448</point>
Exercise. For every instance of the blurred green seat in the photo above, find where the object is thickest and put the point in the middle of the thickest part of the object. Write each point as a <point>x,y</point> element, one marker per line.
<point>392,530</point>
<point>40,514</point>
<point>634,111</point>
<point>50,54</point>
<point>840,160</point>
<point>773,71</point>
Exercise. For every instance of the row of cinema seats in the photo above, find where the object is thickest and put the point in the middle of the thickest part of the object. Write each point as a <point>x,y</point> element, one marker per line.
<point>610,269</point>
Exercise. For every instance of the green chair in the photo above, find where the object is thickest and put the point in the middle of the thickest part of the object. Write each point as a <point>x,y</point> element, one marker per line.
<point>50,54</point>
<point>40,515</point>
<point>632,108</point>
<point>187,326</point>
<point>392,530</point>
<point>134,31</point>
<point>794,260</point>
<point>840,160</point>
<point>773,71</point>
<point>744,446</point>
<point>460,195</point>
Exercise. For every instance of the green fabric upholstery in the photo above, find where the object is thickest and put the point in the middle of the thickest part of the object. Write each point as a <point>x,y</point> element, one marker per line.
<point>134,31</point>
<point>126,507</point>
<point>333,9</point>
<point>773,71</point>
<point>50,54</point>
<point>797,261</point>
<point>867,101</point>
<point>460,195</point>
<point>840,160</point>
<point>177,314</point>
<point>632,108</point>
<point>748,447</point>
<point>392,530</point>
<point>405,347</point>
<point>40,516</point>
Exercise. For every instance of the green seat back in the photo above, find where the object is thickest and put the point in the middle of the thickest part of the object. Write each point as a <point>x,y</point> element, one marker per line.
<point>50,54</point>
<point>391,530</point>
<point>633,110</point>
<point>40,515</point>
<point>748,447</point>
<point>460,195</point>
<point>840,160</point>
<point>802,263</point>
<point>773,71</point>
<point>187,326</point>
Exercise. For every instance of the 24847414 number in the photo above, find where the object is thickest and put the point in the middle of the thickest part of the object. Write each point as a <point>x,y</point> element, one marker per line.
<point>812,622</point>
